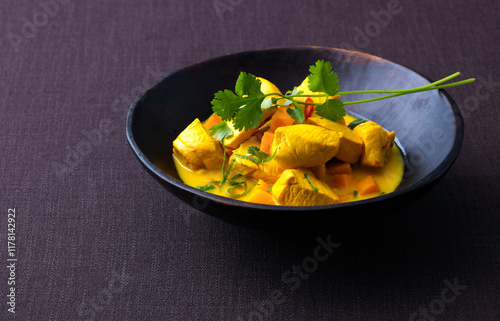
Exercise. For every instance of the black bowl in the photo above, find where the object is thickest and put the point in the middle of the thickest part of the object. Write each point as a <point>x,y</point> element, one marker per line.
<point>428,125</point>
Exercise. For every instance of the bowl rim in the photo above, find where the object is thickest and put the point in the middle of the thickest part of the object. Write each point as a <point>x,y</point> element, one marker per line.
<point>431,177</point>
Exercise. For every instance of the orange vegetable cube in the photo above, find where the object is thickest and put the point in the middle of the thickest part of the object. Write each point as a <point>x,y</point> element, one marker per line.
<point>212,121</point>
<point>260,197</point>
<point>347,181</point>
<point>339,168</point>
<point>265,143</point>
<point>262,185</point>
<point>281,118</point>
<point>367,186</point>
<point>260,194</point>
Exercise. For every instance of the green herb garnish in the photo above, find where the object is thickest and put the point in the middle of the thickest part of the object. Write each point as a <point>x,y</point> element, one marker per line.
<point>225,172</point>
<point>220,131</point>
<point>245,193</point>
<point>244,106</point>
<point>258,156</point>
<point>356,122</point>
<point>296,113</point>
<point>306,176</point>
<point>207,187</point>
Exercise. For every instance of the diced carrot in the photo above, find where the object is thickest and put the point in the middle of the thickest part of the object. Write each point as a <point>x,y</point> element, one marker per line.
<point>260,197</point>
<point>338,168</point>
<point>281,118</point>
<point>367,186</point>
<point>346,181</point>
<point>211,121</point>
<point>260,194</point>
<point>265,143</point>
<point>262,185</point>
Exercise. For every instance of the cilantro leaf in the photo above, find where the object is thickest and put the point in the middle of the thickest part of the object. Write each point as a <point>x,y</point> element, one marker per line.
<point>332,109</point>
<point>220,131</point>
<point>248,84</point>
<point>323,79</point>
<point>267,103</point>
<point>244,106</point>
<point>296,113</point>
<point>226,103</point>
<point>249,115</point>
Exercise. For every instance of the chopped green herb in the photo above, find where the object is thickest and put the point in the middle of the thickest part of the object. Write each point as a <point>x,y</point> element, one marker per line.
<point>258,156</point>
<point>306,176</point>
<point>356,122</point>
<point>225,172</point>
<point>355,194</point>
<point>228,192</point>
<point>233,181</point>
<point>206,188</point>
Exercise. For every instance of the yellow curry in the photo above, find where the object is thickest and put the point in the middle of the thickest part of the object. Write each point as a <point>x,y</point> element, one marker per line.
<point>283,162</point>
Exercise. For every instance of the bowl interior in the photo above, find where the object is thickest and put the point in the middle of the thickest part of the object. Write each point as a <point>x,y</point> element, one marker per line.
<point>428,125</point>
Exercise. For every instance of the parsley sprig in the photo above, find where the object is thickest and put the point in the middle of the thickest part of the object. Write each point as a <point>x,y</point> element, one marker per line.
<point>244,106</point>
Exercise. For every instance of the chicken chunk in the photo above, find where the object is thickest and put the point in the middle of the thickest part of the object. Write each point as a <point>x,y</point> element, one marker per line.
<point>377,143</point>
<point>304,145</point>
<point>195,148</point>
<point>351,145</point>
<point>242,165</point>
<point>294,189</point>
<point>269,172</point>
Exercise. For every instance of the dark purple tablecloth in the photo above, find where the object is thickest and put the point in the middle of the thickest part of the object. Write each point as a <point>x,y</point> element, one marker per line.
<point>97,238</point>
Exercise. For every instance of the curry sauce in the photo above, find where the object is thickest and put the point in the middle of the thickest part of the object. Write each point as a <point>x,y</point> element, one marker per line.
<point>341,178</point>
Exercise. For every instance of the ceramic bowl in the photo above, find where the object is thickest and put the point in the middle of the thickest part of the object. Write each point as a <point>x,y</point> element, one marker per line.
<point>428,126</point>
